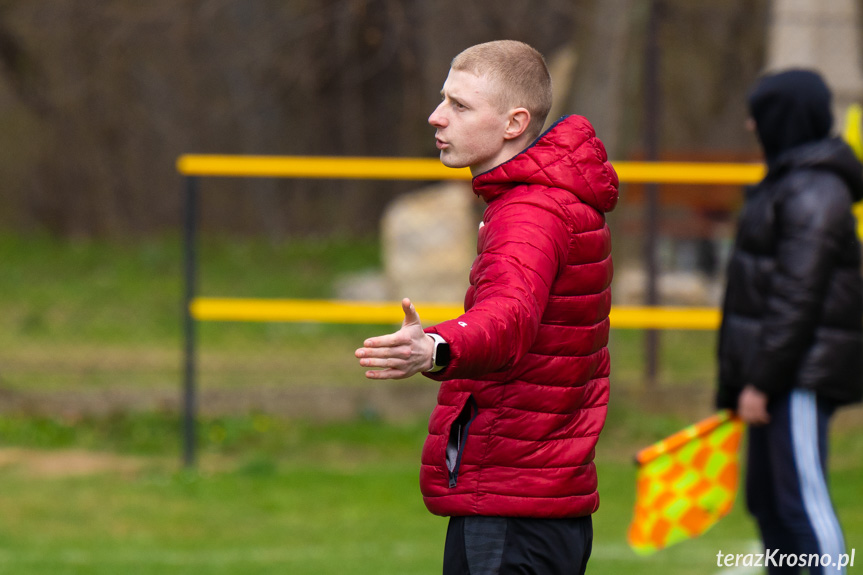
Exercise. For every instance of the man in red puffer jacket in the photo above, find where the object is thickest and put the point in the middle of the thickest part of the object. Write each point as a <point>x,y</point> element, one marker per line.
<point>524,370</point>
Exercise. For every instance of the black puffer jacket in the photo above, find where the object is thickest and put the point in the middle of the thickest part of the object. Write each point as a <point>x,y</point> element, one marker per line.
<point>793,310</point>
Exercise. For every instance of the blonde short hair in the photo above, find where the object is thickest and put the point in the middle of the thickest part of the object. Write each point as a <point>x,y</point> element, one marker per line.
<point>520,73</point>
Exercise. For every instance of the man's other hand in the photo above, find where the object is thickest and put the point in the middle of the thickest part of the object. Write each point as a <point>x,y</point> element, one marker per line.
<point>752,406</point>
<point>401,354</point>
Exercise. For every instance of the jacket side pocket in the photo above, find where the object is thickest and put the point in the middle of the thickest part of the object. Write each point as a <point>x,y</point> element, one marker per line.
<point>458,438</point>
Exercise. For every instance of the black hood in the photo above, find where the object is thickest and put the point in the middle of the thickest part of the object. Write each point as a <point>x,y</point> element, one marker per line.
<point>790,108</point>
<point>832,154</point>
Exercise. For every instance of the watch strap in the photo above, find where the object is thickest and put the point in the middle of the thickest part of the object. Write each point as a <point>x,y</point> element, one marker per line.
<point>439,360</point>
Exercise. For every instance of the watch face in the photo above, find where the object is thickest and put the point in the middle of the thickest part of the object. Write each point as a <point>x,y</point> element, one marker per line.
<point>442,356</point>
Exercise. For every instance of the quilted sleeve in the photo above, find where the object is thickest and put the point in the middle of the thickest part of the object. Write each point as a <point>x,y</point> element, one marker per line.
<point>810,223</point>
<point>522,249</point>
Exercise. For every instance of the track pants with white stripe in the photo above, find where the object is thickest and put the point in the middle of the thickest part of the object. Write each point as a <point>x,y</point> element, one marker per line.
<point>786,481</point>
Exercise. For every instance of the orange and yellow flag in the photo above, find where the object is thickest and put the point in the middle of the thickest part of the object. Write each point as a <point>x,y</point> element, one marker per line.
<point>685,483</point>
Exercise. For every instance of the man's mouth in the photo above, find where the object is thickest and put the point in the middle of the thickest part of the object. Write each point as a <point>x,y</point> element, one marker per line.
<point>441,144</point>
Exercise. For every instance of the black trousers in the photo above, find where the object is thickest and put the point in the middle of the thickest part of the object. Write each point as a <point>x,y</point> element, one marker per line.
<point>517,546</point>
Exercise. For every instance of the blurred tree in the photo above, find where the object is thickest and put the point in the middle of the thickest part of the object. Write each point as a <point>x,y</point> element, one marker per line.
<point>97,99</point>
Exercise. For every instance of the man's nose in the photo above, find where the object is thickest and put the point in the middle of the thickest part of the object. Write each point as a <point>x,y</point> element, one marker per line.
<point>437,118</point>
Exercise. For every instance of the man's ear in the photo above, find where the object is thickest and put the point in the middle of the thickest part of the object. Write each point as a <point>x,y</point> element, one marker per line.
<point>519,120</point>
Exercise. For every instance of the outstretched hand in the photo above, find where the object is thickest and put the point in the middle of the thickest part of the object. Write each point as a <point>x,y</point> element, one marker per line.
<point>401,354</point>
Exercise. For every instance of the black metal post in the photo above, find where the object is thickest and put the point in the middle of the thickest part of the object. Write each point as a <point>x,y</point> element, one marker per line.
<point>652,112</point>
<point>190,224</point>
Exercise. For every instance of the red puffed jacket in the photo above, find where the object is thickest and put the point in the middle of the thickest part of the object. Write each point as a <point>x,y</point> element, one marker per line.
<point>524,397</point>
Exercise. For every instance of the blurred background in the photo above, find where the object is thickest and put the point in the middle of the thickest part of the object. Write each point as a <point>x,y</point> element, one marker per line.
<point>305,466</point>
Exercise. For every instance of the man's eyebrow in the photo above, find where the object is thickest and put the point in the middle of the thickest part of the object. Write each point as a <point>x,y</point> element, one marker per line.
<point>452,97</point>
<point>455,98</point>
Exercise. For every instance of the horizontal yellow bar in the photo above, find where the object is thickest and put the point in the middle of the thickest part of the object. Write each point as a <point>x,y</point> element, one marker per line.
<point>702,318</point>
<point>325,311</point>
<point>688,172</point>
<point>432,169</point>
<point>320,167</point>
<point>329,311</point>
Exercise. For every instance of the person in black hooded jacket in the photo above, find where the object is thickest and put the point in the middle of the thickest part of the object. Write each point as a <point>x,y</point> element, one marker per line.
<point>791,340</point>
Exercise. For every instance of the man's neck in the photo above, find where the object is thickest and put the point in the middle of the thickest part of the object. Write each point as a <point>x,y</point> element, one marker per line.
<point>511,149</point>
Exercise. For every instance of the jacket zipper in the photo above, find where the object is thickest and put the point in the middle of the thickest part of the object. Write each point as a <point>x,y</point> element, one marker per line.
<point>458,438</point>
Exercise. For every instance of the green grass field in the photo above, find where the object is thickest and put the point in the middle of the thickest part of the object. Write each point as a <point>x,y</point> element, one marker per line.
<point>282,496</point>
<point>93,484</point>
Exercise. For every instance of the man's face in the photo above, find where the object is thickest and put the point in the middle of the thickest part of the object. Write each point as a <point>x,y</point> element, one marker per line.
<point>470,127</point>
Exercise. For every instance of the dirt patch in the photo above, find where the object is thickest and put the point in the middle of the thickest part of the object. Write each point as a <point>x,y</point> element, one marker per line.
<point>66,463</point>
<point>388,401</point>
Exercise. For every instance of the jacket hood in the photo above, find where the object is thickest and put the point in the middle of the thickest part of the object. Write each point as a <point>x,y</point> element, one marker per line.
<point>790,108</point>
<point>568,156</point>
<point>832,154</point>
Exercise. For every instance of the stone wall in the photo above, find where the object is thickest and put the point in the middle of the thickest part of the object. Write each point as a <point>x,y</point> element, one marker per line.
<point>820,35</point>
<point>429,242</point>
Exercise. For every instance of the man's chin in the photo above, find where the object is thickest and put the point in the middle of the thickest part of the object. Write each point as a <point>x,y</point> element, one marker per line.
<point>449,161</point>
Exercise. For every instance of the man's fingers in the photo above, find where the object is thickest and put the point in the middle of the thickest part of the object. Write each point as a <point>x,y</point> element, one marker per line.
<point>392,356</point>
<point>400,337</point>
<point>377,363</point>
<point>401,352</point>
<point>385,357</point>
<point>391,340</point>
<point>411,315</point>
<point>385,374</point>
<point>754,416</point>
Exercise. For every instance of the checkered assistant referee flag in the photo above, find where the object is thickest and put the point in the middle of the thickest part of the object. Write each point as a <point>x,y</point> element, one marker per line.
<point>685,483</point>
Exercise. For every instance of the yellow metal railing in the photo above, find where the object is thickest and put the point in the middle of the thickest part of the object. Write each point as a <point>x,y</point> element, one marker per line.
<point>328,311</point>
<point>232,309</point>
<point>432,169</point>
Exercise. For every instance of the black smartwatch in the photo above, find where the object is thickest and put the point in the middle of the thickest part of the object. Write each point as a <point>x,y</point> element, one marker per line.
<point>440,353</point>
